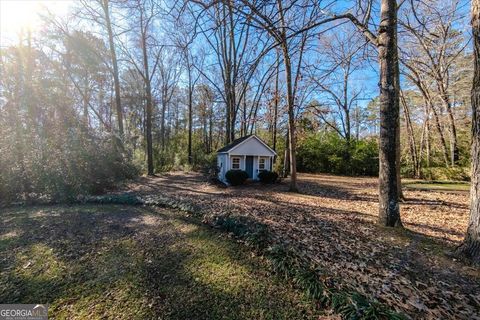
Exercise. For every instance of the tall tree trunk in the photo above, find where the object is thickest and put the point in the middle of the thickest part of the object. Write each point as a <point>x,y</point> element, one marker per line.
<point>411,137</point>
<point>190,118</point>
<point>424,143</point>
<point>286,158</point>
<point>357,123</point>
<point>291,120</point>
<point>116,79</point>
<point>471,244</point>
<point>276,101</point>
<point>454,152</point>
<point>389,210</point>
<point>149,106</point>
<point>162,124</point>
<point>227,118</point>
<point>440,133</point>
<point>427,143</point>
<point>290,101</point>
<point>245,122</point>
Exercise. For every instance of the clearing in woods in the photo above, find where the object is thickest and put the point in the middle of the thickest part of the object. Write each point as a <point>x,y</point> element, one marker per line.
<point>333,223</point>
<point>127,262</point>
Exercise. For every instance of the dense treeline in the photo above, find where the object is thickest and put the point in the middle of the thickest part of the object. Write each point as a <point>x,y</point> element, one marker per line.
<point>108,91</point>
<point>47,149</point>
<point>327,152</point>
<point>121,87</point>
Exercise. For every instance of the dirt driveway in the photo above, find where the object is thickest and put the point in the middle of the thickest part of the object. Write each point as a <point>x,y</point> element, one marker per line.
<point>332,222</point>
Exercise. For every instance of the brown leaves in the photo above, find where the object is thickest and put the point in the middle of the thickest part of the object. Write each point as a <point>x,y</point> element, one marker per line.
<point>333,224</point>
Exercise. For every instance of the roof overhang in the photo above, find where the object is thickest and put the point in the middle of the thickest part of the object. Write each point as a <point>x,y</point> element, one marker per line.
<point>246,140</point>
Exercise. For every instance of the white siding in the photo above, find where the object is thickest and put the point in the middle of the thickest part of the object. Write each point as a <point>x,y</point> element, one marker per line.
<point>222,164</point>
<point>256,166</point>
<point>252,147</point>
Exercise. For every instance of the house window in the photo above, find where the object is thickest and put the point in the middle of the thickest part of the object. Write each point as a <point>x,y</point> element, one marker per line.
<point>236,163</point>
<point>261,164</point>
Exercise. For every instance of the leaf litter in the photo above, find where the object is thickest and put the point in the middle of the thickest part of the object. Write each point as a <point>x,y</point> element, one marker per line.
<point>332,222</point>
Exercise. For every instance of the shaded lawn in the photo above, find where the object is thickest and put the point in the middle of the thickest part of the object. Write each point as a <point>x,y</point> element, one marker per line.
<point>127,262</point>
<point>437,185</point>
<point>332,223</point>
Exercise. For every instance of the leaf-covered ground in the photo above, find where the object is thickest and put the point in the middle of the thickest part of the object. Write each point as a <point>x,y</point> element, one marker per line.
<point>131,262</point>
<point>333,223</point>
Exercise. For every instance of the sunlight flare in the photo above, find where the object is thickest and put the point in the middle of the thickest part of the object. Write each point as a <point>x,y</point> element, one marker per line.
<point>21,15</point>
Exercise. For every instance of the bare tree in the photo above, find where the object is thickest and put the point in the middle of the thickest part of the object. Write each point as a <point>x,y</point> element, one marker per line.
<point>102,17</point>
<point>168,78</point>
<point>279,21</point>
<point>431,47</point>
<point>387,44</point>
<point>237,55</point>
<point>145,12</point>
<point>425,88</point>
<point>341,56</point>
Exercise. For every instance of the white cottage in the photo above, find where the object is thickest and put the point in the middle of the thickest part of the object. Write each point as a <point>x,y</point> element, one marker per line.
<point>248,153</point>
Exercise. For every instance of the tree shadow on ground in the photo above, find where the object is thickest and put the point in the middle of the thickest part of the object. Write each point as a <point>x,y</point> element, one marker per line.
<point>333,224</point>
<point>135,263</point>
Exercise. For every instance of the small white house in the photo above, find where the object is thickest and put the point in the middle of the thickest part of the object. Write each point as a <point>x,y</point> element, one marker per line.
<point>248,153</point>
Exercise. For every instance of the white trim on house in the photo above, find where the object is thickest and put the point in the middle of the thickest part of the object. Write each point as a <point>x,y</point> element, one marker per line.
<point>260,152</point>
<point>258,139</point>
<point>239,163</point>
<point>260,162</point>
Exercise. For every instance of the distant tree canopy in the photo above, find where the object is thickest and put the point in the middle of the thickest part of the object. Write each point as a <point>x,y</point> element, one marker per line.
<point>327,152</point>
<point>119,88</point>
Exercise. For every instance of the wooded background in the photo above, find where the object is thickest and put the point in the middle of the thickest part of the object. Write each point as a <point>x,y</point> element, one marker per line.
<point>123,87</point>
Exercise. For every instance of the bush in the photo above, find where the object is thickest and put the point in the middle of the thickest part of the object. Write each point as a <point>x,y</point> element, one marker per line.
<point>330,153</point>
<point>268,176</point>
<point>209,166</point>
<point>60,167</point>
<point>446,174</point>
<point>236,177</point>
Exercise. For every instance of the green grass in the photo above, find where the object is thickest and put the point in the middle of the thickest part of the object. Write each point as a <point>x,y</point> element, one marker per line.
<point>125,262</point>
<point>437,185</point>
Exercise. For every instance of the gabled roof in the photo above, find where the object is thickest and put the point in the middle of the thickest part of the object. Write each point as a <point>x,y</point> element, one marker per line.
<point>241,140</point>
<point>234,143</point>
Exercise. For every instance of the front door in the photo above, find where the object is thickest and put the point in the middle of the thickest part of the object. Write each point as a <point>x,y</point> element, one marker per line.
<point>249,166</point>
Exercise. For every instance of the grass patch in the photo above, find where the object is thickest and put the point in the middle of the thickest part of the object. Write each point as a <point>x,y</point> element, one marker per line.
<point>438,185</point>
<point>136,262</point>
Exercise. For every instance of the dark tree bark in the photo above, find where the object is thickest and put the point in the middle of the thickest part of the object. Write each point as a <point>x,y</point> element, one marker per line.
<point>389,210</point>
<point>291,121</point>
<point>386,42</point>
<point>471,244</point>
<point>290,101</point>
